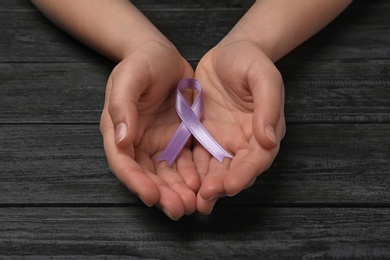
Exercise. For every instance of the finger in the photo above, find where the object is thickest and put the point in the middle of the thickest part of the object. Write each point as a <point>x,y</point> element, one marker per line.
<point>268,96</point>
<point>213,185</point>
<point>176,183</point>
<point>170,201</point>
<point>124,167</point>
<point>127,82</point>
<point>173,198</point>
<point>201,160</point>
<point>246,166</point>
<point>187,170</point>
<point>281,127</point>
<point>205,207</point>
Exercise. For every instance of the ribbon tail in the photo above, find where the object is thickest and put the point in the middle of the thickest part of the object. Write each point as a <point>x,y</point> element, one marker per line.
<point>208,142</point>
<point>193,124</point>
<point>175,145</point>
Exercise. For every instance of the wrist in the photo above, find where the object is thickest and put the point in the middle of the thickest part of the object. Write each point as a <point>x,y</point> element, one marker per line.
<point>258,29</point>
<point>135,30</point>
<point>151,40</point>
<point>241,36</point>
<point>278,26</point>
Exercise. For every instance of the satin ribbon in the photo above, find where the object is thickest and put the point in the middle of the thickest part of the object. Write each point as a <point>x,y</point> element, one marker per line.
<point>190,125</point>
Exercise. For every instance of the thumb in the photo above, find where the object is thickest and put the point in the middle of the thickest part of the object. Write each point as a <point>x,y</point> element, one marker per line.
<point>268,98</point>
<point>122,97</point>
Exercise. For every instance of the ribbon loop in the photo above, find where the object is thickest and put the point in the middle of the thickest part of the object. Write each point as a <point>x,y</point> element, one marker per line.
<point>190,124</point>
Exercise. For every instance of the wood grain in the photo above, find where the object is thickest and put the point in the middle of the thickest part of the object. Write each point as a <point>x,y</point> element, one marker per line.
<point>326,196</point>
<point>317,91</point>
<point>318,163</point>
<point>250,233</point>
<point>28,37</point>
<point>22,5</point>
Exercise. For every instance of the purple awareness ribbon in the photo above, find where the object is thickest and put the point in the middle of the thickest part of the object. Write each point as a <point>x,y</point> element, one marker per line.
<point>190,125</point>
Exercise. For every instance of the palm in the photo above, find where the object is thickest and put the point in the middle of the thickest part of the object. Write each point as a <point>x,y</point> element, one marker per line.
<point>231,116</point>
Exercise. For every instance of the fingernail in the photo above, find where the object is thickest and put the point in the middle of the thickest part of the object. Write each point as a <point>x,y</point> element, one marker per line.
<point>211,198</point>
<point>233,194</point>
<point>145,203</point>
<point>168,214</point>
<point>270,133</point>
<point>120,132</point>
<point>209,212</point>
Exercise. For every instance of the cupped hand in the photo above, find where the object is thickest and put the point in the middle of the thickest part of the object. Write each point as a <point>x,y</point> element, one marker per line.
<point>138,121</point>
<point>244,103</point>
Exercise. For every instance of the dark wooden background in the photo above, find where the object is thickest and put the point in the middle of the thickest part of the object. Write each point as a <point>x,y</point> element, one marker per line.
<point>327,195</point>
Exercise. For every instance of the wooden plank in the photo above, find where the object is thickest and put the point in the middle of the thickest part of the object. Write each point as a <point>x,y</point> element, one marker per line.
<point>316,91</point>
<point>16,6</point>
<point>336,91</point>
<point>351,35</point>
<point>56,93</point>
<point>318,163</point>
<point>326,195</point>
<point>65,161</point>
<point>360,33</point>
<point>23,5</point>
<point>229,233</point>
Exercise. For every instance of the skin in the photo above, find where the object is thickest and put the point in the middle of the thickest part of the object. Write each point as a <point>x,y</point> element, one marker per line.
<point>244,91</point>
<point>243,94</point>
<point>239,89</point>
<point>138,117</point>
<point>140,82</point>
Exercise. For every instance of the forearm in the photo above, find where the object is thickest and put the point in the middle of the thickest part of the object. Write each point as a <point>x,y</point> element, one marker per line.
<point>113,27</point>
<point>278,26</point>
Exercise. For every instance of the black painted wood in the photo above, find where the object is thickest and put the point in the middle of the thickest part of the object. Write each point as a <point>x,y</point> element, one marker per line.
<point>29,37</point>
<point>316,91</point>
<point>23,5</point>
<point>318,163</point>
<point>325,197</point>
<point>250,233</point>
